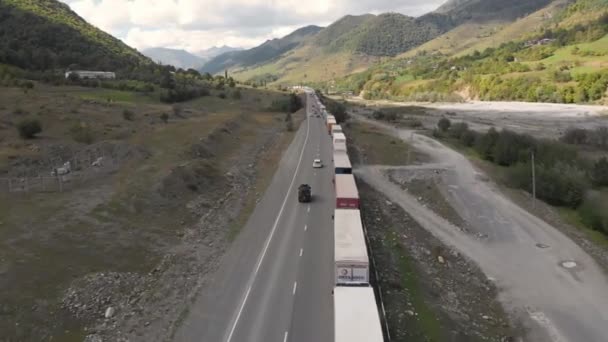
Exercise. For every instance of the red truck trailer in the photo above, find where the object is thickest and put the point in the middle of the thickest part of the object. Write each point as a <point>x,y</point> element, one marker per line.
<point>347,195</point>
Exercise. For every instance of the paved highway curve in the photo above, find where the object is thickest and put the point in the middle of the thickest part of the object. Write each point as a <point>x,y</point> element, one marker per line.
<point>275,281</point>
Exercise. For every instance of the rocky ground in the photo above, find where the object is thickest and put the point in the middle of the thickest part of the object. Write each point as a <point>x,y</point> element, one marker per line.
<point>131,307</point>
<point>431,292</point>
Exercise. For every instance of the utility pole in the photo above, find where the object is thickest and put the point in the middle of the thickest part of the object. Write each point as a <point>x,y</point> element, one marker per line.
<point>533,183</point>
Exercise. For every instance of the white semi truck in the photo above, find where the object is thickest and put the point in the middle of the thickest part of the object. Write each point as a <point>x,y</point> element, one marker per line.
<point>356,317</point>
<point>351,263</point>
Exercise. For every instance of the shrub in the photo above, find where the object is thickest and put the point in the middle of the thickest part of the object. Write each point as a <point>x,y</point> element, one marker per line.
<point>128,115</point>
<point>468,138</point>
<point>560,184</point>
<point>485,144</point>
<point>575,136</point>
<point>28,128</point>
<point>594,213</point>
<point>458,129</point>
<point>599,172</point>
<point>236,94</point>
<point>164,117</point>
<point>82,133</point>
<point>444,124</point>
<point>222,96</point>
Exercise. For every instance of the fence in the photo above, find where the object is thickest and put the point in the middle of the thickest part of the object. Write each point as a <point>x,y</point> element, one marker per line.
<point>81,173</point>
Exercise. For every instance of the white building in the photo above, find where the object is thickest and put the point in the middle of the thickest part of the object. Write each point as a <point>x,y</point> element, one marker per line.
<point>91,74</point>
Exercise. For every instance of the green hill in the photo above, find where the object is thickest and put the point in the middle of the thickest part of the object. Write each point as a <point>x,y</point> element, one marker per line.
<point>47,34</point>
<point>266,52</point>
<point>354,43</point>
<point>563,59</point>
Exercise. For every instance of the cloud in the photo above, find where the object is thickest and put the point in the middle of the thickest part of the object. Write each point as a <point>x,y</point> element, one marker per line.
<point>199,24</point>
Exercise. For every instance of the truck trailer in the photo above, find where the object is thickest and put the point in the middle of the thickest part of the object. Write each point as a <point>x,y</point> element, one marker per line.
<point>336,129</point>
<point>351,263</point>
<point>340,147</point>
<point>338,137</point>
<point>342,165</point>
<point>347,195</point>
<point>356,315</point>
<point>331,121</point>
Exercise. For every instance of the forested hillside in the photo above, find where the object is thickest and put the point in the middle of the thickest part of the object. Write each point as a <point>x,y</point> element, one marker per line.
<point>354,42</point>
<point>46,34</point>
<point>566,61</point>
<point>264,53</point>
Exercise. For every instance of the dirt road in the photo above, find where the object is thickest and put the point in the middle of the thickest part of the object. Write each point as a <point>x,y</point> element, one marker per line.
<point>546,279</point>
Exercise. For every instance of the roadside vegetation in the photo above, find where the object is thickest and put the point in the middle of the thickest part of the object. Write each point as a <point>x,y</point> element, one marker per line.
<point>571,173</point>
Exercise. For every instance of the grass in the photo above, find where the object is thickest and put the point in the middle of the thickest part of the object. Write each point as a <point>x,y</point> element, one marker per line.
<point>119,222</point>
<point>428,322</point>
<point>380,148</point>
<point>573,218</point>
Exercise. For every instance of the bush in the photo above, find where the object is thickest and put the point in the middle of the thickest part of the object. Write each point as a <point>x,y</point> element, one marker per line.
<point>128,115</point>
<point>484,145</point>
<point>594,213</point>
<point>222,96</point>
<point>468,138</point>
<point>82,133</point>
<point>560,184</point>
<point>444,124</point>
<point>164,117</point>
<point>575,136</point>
<point>28,128</point>
<point>599,172</point>
<point>236,94</point>
<point>457,130</point>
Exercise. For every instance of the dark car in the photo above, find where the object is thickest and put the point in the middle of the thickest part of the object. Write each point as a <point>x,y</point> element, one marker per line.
<point>304,193</point>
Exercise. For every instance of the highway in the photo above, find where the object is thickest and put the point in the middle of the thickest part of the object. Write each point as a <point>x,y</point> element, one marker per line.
<point>275,281</point>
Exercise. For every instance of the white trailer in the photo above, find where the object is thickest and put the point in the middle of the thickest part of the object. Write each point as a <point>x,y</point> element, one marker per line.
<point>356,316</point>
<point>336,129</point>
<point>351,262</point>
<point>339,138</point>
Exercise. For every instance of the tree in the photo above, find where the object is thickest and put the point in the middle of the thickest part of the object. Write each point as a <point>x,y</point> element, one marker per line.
<point>485,144</point>
<point>444,124</point>
<point>225,73</point>
<point>231,83</point>
<point>164,117</point>
<point>28,128</point>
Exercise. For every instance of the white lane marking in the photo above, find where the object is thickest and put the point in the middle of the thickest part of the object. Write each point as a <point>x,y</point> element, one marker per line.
<point>305,227</point>
<point>308,210</point>
<point>295,286</point>
<point>301,251</point>
<point>285,338</point>
<point>274,228</point>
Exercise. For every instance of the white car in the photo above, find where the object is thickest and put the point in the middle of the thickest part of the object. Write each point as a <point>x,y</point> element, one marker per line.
<point>317,164</point>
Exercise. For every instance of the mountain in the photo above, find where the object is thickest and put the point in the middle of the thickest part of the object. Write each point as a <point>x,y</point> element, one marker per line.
<point>178,58</point>
<point>214,51</point>
<point>266,52</point>
<point>47,34</point>
<point>354,43</point>
<point>558,53</point>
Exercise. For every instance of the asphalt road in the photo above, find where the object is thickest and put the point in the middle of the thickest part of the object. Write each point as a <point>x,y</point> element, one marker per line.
<point>557,290</point>
<point>275,281</point>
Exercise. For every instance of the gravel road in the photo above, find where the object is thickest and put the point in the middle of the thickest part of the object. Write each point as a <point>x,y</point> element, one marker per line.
<point>546,280</point>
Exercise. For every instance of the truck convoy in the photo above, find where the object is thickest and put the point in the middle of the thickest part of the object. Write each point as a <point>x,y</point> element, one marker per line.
<point>356,316</point>
<point>351,263</point>
<point>347,195</point>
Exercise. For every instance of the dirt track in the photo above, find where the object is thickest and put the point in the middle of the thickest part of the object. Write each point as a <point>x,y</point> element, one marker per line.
<point>526,257</point>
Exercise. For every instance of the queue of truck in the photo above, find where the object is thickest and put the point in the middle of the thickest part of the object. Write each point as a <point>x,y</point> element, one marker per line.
<point>356,314</point>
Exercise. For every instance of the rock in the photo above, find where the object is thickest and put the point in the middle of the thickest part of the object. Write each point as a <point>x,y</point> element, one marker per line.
<point>410,312</point>
<point>486,317</point>
<point>440,259</point>
<point>109,312</point>
<point>389,203</point>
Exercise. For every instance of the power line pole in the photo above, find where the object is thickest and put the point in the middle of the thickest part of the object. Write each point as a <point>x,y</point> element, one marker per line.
<point>533,183</point>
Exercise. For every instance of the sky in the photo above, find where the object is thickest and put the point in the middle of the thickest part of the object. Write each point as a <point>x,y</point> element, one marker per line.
<point>195,25</point>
